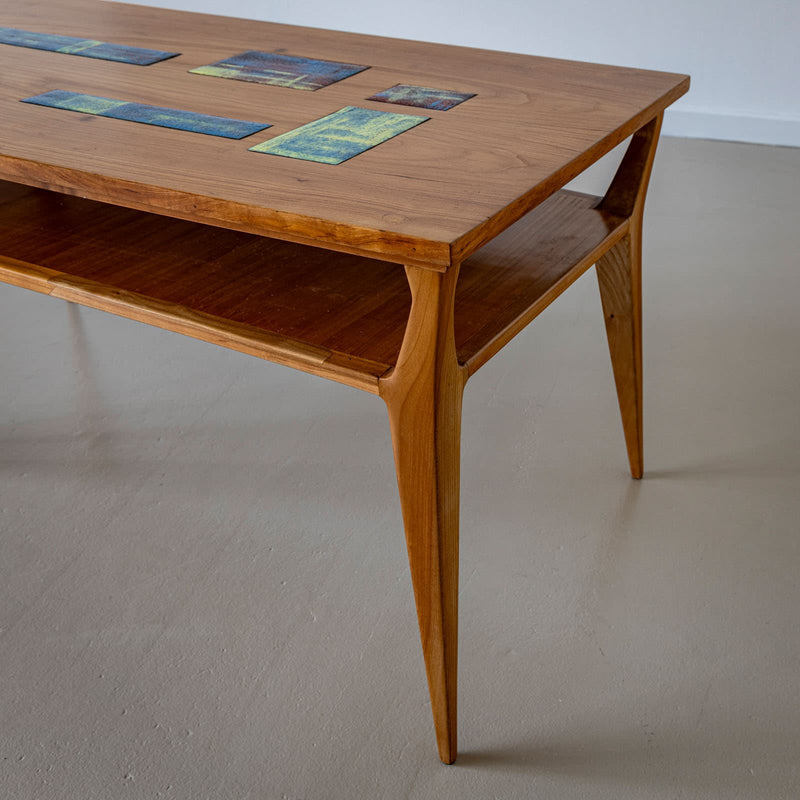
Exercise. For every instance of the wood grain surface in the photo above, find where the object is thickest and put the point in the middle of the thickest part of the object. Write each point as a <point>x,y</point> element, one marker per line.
<point>430,197</point>
<point>619,276</point>
<point>270,298</point>
<point>423,396</point>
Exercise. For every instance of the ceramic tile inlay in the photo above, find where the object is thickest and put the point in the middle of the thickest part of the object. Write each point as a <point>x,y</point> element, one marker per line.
<point>91,48</point>
<point>421,97</point>
<point>149,115</point>
<point>277,69</point>
<point>340,136</point>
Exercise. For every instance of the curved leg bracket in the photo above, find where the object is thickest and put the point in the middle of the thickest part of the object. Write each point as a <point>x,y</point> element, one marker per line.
<point>423,396</point>
<point>619,275</point>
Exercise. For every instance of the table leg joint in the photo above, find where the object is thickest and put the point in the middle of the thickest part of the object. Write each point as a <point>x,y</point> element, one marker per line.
<point>423,397</point>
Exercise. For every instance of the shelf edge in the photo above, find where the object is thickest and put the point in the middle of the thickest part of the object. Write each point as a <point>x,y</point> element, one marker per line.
<point>357,372</point>
<point>503,337</point>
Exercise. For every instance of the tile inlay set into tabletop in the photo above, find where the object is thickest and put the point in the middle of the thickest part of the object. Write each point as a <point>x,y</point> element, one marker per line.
<point>279,69</point>
<point>341,135</point>
<point>297,261</point>
<point>421,97</point>
<point>149,115</point>
<point>80,46</point>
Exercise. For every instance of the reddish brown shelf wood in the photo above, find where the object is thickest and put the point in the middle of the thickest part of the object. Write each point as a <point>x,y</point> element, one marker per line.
<point>338,315</point>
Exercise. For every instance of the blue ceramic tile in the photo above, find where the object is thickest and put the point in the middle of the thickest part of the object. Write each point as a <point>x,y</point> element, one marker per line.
<point>276,69</point>
<point>83,47</point>
<point>421,97</point>
<point>339,136</point>
<point>149,115</point>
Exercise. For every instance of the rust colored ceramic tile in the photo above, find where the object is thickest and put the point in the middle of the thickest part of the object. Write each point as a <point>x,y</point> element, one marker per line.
<point>421,97</point>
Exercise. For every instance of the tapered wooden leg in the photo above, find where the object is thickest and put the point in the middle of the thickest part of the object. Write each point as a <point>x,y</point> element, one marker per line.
<point>423,397</point>
<point>619,274</point>
<point>620,278</point>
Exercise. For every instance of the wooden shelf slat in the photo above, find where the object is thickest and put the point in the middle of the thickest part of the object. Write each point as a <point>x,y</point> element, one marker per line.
<point>513,278</point>
<point>332,314</point>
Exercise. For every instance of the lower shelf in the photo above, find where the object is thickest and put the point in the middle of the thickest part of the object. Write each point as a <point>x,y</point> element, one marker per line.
<point>328,313</point>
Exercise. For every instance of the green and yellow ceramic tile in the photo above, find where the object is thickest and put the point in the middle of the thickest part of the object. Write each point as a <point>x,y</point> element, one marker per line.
<point>91,48</point>
<point>340,136</point>
<point>276,69</point>
<point>149,115</point>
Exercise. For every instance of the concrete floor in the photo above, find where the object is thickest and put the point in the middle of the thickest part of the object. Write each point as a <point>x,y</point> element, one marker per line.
<point>204,590</point>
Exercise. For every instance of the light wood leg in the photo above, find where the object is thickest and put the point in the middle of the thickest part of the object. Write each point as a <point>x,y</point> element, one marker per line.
<point>619,278</point>
<point>619,274</point>
<point>423,397</point>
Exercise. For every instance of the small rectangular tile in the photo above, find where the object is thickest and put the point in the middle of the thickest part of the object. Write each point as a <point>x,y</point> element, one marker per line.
<point>421,97</point>
<point>149,115</point>
<point>340,136</point>
<point>91,48</point>
<point>276,69</point>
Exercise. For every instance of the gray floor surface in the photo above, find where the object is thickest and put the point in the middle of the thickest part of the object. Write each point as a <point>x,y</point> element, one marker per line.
<point>204,590</point>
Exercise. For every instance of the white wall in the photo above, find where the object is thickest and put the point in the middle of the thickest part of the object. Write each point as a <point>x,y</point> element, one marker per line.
<point>742,56</point>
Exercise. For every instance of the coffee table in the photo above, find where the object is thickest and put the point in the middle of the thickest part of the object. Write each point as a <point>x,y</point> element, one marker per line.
<point>297,262</point>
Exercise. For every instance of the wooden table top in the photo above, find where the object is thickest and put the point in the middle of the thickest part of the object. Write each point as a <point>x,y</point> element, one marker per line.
<point>430,196</point>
